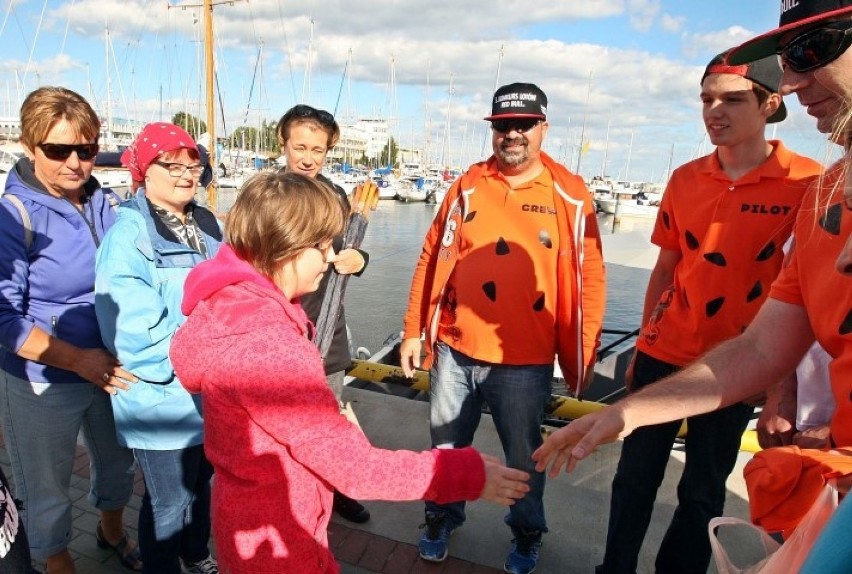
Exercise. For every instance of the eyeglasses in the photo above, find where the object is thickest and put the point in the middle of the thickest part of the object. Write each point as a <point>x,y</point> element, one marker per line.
<point>520,125</point>
<point>178,169</point>
<point>61,152</point>
<point>324,248</point>
<point>304,111</point>
<point>818,47</point>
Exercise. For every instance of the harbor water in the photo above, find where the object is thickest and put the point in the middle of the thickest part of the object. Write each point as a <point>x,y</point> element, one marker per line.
<point>376,301</point>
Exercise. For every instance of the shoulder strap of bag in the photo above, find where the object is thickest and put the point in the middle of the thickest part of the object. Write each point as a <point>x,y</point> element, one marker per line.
<point>25,219</point>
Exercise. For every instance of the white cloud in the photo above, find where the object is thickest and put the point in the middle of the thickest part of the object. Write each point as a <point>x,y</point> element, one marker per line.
<point>642,13</point>
<point>715,42</point>
<point>673,24</point>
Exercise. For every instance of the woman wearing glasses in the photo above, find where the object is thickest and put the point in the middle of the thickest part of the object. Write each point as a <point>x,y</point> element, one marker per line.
<point>55,374</point>
<point>160,235</point>
<point>305,135</point>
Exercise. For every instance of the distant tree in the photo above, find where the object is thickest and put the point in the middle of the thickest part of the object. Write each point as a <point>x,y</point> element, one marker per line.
<point>389,153</point>
<point>190,123</point>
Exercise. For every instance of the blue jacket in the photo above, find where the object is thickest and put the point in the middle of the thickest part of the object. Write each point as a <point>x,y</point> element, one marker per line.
<point>141,268</point>
<point>51,284</point>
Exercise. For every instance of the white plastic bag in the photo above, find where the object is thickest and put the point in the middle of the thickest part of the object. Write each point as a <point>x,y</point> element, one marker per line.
<point>780,558</point>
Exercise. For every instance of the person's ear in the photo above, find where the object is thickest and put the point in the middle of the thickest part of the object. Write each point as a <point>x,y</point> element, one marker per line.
<point>771,105</point>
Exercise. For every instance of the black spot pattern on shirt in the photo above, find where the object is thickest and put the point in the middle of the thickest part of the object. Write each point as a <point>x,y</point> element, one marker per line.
<point>666,220</point>
<point>846,325</point>
<point>714,306</point>
<point>490,290</point>
<point>716,258</point>
<point>691,240</point>
<point>544,239</point>
<point>767,251</point>
<point>502,247</point>
<point>830,221</point>
<point>470,216</point>
<point>539,303</point>
<point>755,292</point>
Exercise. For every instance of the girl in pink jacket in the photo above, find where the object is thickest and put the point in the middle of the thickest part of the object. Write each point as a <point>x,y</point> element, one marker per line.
<point>273,429</point>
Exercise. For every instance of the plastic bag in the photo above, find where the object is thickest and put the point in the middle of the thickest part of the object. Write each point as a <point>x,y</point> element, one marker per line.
<point>780,558</point>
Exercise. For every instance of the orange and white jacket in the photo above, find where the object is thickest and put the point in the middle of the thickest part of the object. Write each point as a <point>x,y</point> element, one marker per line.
<point>580,270</point>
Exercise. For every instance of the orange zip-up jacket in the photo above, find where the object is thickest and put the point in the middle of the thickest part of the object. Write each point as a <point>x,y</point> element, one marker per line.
<point>580,271</point>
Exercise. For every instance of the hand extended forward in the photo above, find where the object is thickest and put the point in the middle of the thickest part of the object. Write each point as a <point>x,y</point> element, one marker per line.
<point>579,439</point>
<point>503,485</point>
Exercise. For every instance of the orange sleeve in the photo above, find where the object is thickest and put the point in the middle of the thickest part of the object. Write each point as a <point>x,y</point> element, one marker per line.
<point>420,293</point>
<point>594,284</point>
<point>786,286</point>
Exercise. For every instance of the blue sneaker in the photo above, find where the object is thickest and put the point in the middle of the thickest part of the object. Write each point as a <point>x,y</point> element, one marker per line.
<point>523,558</point>
<point>436,536</point>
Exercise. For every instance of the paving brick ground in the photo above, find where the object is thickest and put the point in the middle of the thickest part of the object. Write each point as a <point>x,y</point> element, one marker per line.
<point>358,552</point>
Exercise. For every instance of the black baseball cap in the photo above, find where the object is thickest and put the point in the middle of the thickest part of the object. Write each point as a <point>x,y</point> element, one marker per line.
<point>518,100</point>
<point>766,72</point>
<point>794,14</point>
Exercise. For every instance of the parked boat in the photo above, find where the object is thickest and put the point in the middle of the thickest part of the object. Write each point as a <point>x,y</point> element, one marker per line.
<point>631,207</point>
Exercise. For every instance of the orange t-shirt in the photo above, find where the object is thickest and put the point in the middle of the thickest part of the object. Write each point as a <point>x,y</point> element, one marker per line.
<point>500,301</point>
<point>822,229</point>
<point>729,235</point>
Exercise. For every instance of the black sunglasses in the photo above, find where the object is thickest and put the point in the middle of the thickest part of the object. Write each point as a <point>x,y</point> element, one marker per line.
<point>304,111</point>
<point>816,48</point>
<point>61,152</point>
<point>520,125</point>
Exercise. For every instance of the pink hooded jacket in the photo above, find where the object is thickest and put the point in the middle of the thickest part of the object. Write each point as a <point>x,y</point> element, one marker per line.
<point>273,431</point>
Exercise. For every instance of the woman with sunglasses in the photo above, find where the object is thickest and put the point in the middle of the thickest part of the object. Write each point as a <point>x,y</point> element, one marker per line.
<point>305,135</point>
<point>274,432</point>
<point>160,235</point>
<point>56,377</point>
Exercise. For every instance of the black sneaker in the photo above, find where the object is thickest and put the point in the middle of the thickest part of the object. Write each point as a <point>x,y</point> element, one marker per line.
<point>349,509</point>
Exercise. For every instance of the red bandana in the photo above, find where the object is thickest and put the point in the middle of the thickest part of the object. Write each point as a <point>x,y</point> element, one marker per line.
<point>154,139</point>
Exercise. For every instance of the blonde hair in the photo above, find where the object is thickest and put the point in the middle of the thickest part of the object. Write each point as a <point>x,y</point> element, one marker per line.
<point>47,105</point>
<point>277,215</point>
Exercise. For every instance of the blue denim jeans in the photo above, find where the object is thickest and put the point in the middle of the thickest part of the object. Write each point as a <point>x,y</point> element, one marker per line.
<point>174,520</point>
<point>517,396</point>
<point>41,423</point>
<point>712,444</point>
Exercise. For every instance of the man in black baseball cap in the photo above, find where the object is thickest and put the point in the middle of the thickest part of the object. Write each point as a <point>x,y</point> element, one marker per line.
<point>694,302</point>
<point>510,278</point>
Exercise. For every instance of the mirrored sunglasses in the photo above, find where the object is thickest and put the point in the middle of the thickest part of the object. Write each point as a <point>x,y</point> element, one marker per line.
<point>61,152</point>
<point>816,48</point>
<point>520,125</point>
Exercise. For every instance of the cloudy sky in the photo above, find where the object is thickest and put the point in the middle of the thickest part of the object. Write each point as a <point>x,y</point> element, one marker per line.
<point>629,68</point>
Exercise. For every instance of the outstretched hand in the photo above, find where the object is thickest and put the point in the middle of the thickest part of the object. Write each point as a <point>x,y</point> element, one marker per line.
<point>578,440</point>
<point>503,485</point>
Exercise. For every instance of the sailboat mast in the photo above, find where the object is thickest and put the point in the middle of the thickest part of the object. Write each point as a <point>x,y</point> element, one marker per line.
<point>583,129</point>
<point>211,110</point>
<point>108,131</point>
<point>487,137</point>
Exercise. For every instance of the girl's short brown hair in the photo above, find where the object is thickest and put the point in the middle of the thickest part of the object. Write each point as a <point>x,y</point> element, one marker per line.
<point>279,214</point>
<point>47,105</point>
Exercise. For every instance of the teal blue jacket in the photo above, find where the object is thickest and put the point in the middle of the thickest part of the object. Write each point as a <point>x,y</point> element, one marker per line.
<point>140,272</point>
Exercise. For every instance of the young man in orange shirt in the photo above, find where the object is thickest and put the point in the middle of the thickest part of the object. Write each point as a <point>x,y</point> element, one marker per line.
<point>510,276</point>
<point>722,223</point>
<point>811,299</point>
